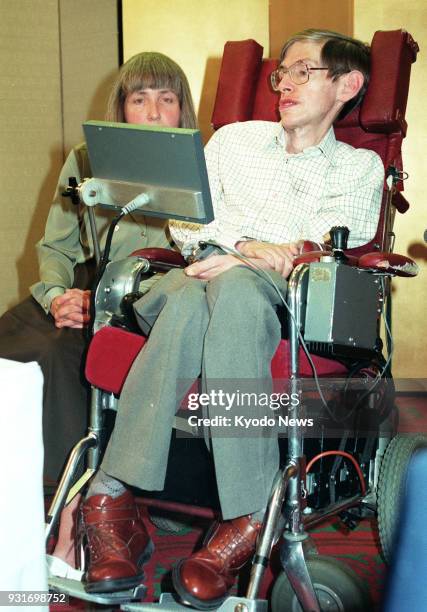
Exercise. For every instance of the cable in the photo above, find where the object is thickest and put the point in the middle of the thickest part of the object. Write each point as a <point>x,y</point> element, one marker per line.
<point>342,454</point>
<point>102,266</point>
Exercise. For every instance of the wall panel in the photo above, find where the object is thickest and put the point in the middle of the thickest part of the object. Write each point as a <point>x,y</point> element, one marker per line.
<point>30,134</point>
<point>57,61</point>
<point>89,61</point>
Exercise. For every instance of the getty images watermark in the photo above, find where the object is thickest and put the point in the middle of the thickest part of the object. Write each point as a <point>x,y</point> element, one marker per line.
<point>236,400</point>
<point>253,407</point>
<point>232,408</point>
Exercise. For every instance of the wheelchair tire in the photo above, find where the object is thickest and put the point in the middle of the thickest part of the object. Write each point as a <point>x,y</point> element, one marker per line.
<point>337,586</point>
<point>391,483</point>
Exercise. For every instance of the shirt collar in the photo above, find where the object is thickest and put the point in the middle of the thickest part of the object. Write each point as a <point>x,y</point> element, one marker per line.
<point>326,146</point>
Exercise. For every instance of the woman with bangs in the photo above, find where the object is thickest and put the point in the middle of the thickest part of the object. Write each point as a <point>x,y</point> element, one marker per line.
<point>48,327</point>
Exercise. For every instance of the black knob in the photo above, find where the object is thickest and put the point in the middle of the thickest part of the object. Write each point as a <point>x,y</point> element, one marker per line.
<point>71,191</point>
<point>339,238</point>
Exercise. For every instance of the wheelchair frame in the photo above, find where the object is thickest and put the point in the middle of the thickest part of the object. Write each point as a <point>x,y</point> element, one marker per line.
<point>289,485</point>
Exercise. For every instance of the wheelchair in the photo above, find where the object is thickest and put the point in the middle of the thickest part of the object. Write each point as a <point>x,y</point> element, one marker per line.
<point>332,345</point>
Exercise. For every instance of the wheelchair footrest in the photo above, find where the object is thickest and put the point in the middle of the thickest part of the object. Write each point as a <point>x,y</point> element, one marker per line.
<point>75,588</point>
<point>169,603</point>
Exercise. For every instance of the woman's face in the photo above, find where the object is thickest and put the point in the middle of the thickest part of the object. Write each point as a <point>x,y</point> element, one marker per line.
<point>153,107</point>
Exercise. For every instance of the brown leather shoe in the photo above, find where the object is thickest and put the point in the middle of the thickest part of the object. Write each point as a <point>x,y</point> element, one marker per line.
<point>204,579</point>
<point>117,543</point>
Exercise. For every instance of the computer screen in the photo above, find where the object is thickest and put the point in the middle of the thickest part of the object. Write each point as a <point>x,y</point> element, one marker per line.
<point>166,163</point>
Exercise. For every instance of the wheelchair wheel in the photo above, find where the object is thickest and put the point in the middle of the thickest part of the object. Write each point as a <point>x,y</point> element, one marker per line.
<point>337,587</point>
<point>391,483</point>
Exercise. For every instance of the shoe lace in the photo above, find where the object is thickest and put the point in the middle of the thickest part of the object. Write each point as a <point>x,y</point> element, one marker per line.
<point>102,540</point>
<point>232,547</point>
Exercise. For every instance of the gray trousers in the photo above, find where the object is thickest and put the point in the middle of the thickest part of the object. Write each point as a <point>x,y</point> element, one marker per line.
<point>226,328</point>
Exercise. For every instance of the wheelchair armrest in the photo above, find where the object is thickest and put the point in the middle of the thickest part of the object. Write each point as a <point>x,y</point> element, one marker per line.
<point>308,246</point>
<point>389,263</point>
<point>161,257</point>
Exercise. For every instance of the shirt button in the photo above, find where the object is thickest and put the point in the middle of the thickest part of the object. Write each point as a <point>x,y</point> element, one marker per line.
<point>116,229</point>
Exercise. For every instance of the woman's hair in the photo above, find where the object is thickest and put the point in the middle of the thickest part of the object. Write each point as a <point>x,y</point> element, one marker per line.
<point>150,70</point>
<point>341,54</point>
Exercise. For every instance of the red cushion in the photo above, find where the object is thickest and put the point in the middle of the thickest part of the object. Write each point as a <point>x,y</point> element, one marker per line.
<point>235,95</point>
<point>281,364</point>
<point>266,103</point>
<point>157,255</point>
<point>111,354</point>
<point>113,351</point>
<point>383,109</point>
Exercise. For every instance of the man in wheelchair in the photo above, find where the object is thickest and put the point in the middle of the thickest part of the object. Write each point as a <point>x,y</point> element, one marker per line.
<point>273,186</point>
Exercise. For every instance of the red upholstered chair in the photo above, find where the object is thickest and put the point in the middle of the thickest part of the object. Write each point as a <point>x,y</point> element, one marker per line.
<point>244,94</point>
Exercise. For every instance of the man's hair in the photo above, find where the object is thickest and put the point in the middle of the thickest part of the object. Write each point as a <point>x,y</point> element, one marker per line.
<point>341,54</point>
<point>151,70</point>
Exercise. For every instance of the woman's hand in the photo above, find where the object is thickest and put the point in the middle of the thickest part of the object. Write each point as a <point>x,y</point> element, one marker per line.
<point>71,309</point>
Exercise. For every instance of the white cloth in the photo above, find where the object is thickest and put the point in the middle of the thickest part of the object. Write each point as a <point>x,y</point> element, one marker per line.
<point>61,569</point>
<point>22,560</point>
<point>260,191</point>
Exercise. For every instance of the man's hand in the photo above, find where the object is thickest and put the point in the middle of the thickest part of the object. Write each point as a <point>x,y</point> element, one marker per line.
<point>71,309</point>
<point>279,257</point>
<point>208,268</point>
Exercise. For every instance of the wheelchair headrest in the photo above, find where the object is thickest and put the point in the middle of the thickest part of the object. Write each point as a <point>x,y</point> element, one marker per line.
<point>244,90</point>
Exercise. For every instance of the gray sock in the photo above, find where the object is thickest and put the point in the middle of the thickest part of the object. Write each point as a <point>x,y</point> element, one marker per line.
<point>103,484</point>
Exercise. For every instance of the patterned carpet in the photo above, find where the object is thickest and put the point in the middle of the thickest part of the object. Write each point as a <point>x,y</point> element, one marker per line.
<point>358,548</point>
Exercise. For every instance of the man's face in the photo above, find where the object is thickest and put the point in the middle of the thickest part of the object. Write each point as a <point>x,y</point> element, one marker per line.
<point>314,104</point>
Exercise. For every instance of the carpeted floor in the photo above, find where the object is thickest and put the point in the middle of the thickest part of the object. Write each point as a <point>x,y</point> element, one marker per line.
<point>358,548</point>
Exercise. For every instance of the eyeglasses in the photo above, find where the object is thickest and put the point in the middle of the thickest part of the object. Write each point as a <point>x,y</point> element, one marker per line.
<point>299,73</point>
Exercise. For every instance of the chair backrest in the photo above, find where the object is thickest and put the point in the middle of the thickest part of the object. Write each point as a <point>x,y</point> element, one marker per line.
<point>244,94</point>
